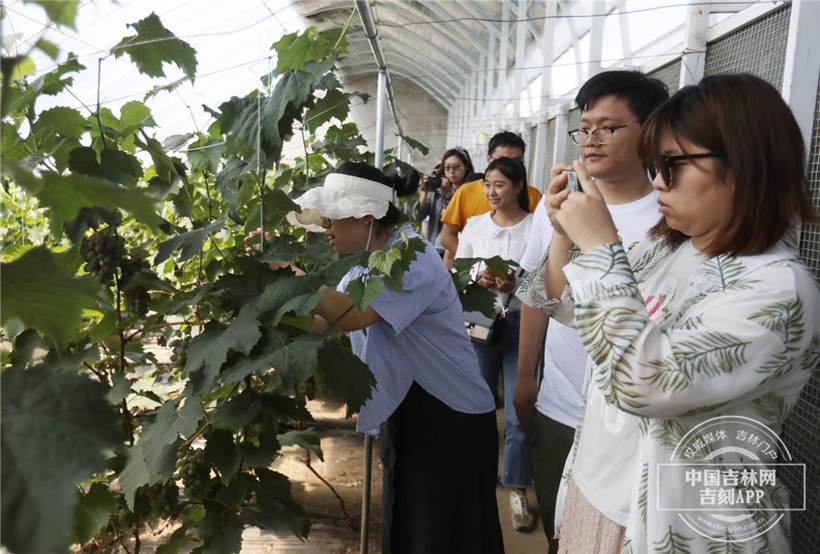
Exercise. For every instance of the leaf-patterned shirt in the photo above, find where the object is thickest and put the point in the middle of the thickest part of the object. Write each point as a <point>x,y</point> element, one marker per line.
<point>676,338</point>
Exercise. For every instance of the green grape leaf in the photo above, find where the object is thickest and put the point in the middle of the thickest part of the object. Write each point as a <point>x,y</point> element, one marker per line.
<point>277,509</point>
<point>266,122</point>
<point>206,155</point>
<point>383,260</point>
<point>262,454</point>
<point>93,511</point>
<point>54,431</point>
<point>108,325</point>
<point>307,439</point>
<point>163,163</point>
<point>209,350</point>
<point>65,195</point>
<point>154,457</point>
<point>237,412</point>
<point>277,206</point>
<point>220,531</point>
<point>134,115</point>
<point>222,452</point>
<point>59,121</point>
<point>228,181</point>
<point>295,49</point>
<point>120,387</point>
<point>114,165</point>
<point>234,291</point>
<point>56,81</point>
<point>177,142</point>
<point>190,243</point>
<point>62,13</point>
<point>346,376</point>
<point>49,48</point>
<point>42,294</point>
<point>476,298</point>
<point>415,145</point>
<point>294,360</point>
<point>287,288</point>
<point>279,248</point>
<point>334,104</point>
<point>362,294</point>
<point>154,45</point>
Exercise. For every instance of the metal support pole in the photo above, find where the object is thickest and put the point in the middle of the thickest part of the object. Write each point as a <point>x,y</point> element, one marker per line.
<point>693,58</point>
<point>364,538</point>
<point>368,440</point>
<point>380,101</point>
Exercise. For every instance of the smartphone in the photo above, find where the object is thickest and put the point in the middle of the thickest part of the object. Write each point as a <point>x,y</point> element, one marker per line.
<point>572,181</point>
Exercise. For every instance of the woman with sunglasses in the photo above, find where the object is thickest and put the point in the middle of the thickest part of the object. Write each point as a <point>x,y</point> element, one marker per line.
<point>713,320</point>
<point>431,405</point>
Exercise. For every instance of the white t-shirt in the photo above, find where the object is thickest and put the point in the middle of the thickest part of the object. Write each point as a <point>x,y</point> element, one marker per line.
<point>564,356</point>
<point>482,237</point>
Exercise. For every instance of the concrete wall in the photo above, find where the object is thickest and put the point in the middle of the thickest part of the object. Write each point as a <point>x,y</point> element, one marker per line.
<point>421,118</point>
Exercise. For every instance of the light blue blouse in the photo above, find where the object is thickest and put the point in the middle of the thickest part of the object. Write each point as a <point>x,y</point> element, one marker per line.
<point>421,338</point>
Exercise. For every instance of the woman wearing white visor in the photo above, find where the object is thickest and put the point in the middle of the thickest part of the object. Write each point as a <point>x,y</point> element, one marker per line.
<point>440,446</point>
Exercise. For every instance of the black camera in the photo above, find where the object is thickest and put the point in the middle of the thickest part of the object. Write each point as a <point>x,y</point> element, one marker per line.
<point>433,182</point>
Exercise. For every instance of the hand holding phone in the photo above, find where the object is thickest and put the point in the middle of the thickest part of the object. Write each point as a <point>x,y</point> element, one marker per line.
<point>572,181</point>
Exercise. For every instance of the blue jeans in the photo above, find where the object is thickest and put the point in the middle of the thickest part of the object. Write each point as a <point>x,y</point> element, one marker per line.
<point>501,359</point>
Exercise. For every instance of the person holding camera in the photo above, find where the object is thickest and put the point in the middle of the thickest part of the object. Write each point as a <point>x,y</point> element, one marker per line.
<point>438,189</point>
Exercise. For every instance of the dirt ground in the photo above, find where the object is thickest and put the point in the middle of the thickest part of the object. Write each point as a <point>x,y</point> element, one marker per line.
<point>336,512</point>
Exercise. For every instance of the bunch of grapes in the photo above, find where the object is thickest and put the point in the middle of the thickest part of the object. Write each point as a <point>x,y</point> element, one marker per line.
<point>136,295</point>
<point>195,474</point>
<point>103,255</point>
<point>179,352</point>
<point>163,499</point>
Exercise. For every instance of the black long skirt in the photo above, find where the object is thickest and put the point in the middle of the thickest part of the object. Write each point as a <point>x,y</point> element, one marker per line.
<point>440,472</point>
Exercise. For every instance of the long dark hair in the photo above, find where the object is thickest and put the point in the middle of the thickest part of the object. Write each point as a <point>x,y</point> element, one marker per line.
<point>513,170</point>
<point>403,185</point>
<point>745,121</point>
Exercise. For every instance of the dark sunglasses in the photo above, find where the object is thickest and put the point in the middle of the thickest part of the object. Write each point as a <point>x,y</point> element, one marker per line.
<point>668,162</point>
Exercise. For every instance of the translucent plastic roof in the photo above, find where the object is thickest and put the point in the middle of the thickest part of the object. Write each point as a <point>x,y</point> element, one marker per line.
<point>442,47</point>
<point>232,41</point>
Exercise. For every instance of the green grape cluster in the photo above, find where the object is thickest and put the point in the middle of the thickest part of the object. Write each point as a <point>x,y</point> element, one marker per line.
<point>195,474</point>
<point>103,254</point>
<point>163,499</point>
<point>179,352</point>
<point>136,296</point>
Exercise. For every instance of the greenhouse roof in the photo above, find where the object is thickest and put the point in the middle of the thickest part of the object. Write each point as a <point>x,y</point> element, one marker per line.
<point>438,46</point>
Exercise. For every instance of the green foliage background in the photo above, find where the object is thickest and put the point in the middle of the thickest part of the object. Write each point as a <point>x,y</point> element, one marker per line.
<point>92,445</point>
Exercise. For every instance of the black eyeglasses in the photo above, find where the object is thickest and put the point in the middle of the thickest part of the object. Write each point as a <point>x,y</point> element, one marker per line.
<point>668,162</point>
<point>604,135</point>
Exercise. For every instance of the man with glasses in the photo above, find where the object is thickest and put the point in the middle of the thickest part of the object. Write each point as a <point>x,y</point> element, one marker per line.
<point>613,106</point>
<point>469,199</point>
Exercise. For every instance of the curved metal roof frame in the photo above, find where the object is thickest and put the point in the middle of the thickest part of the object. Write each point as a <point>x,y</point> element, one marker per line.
<point>429,43</point>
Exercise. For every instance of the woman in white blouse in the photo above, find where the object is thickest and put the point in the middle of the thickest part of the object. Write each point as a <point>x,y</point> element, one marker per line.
<point>503,232</point>
<point>714,323</point>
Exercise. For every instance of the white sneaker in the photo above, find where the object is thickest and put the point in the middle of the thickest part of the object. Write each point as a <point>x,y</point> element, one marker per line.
<point>522,519</point>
